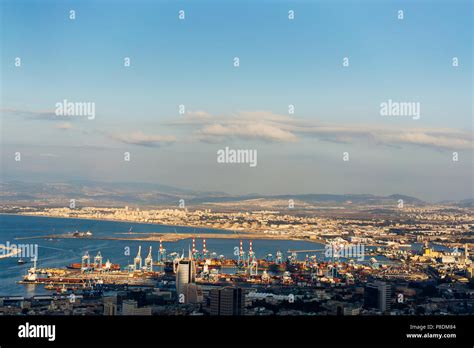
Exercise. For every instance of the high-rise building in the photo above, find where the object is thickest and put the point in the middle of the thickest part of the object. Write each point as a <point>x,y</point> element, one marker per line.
<point>192,293</point>
<point>130,307</point>
<point>378,295</point>
<point>227,301</point>
<point>110,305</point>
<point>185,274</point>
<point>110,308</point>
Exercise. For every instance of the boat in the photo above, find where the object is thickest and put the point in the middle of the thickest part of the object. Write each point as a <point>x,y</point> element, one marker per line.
<point>32,276</point>
<point>76,265</point>
<point>21,261</point>
<point>111,266</point>
<point>274,267</point>
<point>82,234</point>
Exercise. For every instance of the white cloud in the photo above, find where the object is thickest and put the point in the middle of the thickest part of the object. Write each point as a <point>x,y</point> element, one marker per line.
<point>29,114</point>
<point>141,139</point>
<point>266,126</point>
<point>246,130</point>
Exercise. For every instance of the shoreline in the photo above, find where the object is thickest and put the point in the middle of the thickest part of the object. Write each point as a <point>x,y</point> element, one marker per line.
<point>168,236</point>
<point>172,237</point>
<point>124,221</point>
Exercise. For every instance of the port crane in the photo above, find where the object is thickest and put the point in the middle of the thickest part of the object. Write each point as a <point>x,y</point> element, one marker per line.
<point>194,252</point>
<point>252,261</point>
<point>279,258</point>
<point>86,260</point>
<point>137,262</point>
<point>161,253</point>
<point>98,261</point>
<point>241,260</point>
<point>204,249</point>
<point>149,262</point>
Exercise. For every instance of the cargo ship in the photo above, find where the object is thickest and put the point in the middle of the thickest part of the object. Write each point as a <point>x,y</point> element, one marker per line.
<point>93,264</point>
<point>215,264</point>
<point>107,265</point>
<point>274,267</point>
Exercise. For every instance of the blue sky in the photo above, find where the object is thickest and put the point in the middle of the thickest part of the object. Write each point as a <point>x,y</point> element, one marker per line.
<point>283,62</point>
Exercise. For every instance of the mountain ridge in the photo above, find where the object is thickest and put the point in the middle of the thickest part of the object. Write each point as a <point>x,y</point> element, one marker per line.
<point>157,194</point>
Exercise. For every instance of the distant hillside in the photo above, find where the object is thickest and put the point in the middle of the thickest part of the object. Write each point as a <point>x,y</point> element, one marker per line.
<point>466,203</point>
<point>316,199</point>
<point>145,194</point>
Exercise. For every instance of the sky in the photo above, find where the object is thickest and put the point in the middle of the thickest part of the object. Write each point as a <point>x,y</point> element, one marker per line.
<point>190,62</point>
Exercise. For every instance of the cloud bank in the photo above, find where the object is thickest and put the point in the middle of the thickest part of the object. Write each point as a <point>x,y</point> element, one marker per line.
<point>269,127</point>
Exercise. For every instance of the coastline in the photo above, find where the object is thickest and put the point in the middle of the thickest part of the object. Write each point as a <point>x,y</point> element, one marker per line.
<point>119,220</point>
<point>168,236</point>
